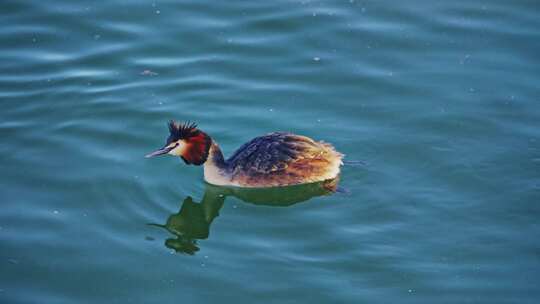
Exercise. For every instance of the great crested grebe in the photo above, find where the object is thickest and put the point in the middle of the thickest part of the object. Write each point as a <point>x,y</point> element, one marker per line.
<point>275,159</point>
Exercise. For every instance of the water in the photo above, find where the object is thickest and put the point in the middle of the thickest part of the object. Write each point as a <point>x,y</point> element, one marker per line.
<point>439,98</point>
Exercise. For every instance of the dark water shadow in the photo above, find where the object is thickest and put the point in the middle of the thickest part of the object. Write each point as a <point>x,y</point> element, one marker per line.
<point>193,221</point>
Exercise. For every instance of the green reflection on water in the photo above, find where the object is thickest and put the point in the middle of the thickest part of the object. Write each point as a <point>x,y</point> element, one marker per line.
<point>193,221</point>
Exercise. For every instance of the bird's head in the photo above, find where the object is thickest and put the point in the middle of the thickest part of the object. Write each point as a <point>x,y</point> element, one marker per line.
<point>186,141</point>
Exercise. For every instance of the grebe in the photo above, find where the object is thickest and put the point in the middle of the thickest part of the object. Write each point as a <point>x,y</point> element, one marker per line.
<point>275,159</point>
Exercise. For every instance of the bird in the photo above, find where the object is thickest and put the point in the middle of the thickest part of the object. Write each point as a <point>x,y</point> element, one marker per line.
<point>273,160</point>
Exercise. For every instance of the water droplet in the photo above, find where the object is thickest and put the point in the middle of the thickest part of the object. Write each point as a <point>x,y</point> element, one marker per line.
<point>316,58</point>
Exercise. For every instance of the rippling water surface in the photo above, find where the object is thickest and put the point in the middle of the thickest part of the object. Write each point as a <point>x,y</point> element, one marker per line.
<point>439,98</point>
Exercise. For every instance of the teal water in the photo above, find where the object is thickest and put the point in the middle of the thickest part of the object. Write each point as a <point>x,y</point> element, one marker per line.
<point>439,98</point>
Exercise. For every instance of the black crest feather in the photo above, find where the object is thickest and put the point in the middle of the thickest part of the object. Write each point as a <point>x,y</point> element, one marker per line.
<point>181,130</point>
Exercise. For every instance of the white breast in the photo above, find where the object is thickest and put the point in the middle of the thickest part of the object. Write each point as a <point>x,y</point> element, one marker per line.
<point>216,176</point>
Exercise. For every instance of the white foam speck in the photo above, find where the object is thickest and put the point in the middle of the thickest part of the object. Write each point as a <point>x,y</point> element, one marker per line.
<point>149,73</point>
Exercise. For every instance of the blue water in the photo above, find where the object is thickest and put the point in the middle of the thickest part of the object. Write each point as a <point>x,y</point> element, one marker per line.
<point>438,98</point>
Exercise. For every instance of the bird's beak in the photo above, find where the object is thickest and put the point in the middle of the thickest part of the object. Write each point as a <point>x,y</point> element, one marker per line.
<point>161,151</point>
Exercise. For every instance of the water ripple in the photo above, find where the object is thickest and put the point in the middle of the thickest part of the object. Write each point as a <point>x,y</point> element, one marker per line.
<point>439,98</point>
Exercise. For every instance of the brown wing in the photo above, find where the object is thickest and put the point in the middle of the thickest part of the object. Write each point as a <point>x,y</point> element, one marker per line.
<point>272,153</point>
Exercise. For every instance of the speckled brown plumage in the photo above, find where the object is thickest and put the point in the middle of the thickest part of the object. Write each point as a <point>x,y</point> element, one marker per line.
<point>279,159</point>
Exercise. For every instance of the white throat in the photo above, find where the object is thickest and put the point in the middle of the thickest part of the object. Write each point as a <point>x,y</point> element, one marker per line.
<point>212,173</point>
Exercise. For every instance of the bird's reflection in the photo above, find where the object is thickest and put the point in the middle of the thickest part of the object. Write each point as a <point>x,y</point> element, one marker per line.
<point>193,221</point>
